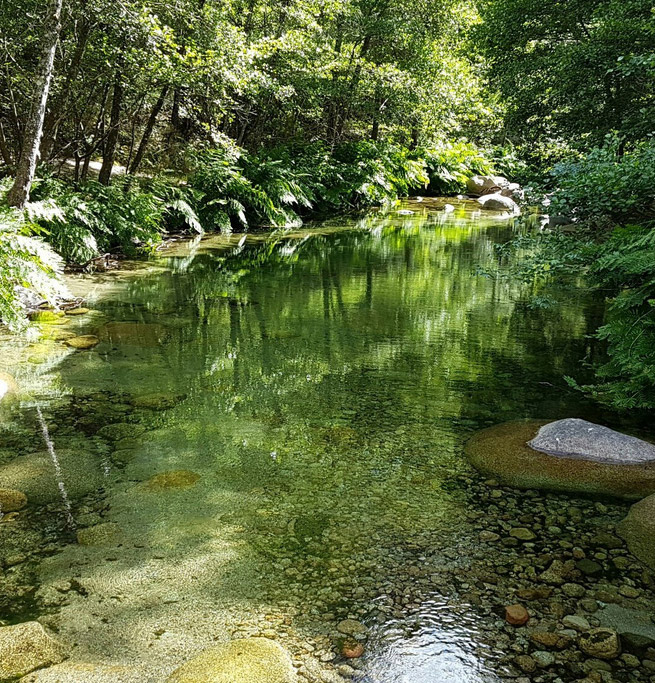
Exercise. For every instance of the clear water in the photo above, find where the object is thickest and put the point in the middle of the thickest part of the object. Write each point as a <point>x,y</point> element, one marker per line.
<point>319,386</point>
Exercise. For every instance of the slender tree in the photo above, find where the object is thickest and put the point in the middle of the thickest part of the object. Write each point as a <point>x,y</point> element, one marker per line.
<point>20,191</point>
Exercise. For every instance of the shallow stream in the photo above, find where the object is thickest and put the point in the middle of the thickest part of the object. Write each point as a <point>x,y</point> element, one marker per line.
<point>268,440</point>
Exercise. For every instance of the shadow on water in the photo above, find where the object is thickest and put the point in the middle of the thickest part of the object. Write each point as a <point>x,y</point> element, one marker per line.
<point>321,385</point>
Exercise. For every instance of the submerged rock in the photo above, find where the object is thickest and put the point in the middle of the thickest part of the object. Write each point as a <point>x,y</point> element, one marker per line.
<point>602,643</point>
<point>108,533</point>
<point>634,626</point>
<point>26,647</point>
<point>157,401</point>
<point>37,476</point>
<point>12,500</point>
<point>255,660</point>
<point>77,311</point>
<point>503,453</point>
<point>638,530</point>
<point>134,334</point>
<point>175,479</point>
<point>120,430</point>
<point>86,341</point>
<point>498,202</point>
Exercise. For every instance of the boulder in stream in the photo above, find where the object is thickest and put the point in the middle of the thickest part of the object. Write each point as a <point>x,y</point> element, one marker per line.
<point>567,455</point>
<point>498,202</point>
<point>26,647</point>
<point>638,530</point>
<point>255,660</point>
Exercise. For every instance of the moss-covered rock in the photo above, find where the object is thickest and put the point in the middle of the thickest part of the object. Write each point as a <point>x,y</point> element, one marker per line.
<point>120,430</point>
<point>251,660</point>
<point>77,311</point>
<point>107,533</point>
<point>12,500</point>
<point>85,341</point>
<point>638,530</point>
<point>174,479</point>
<point>502,452</point>
<point>26,647</point>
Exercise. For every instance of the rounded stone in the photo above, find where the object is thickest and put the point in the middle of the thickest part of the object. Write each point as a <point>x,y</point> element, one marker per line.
<point>352,649</point>
<point>12,500</point>
<point>516,615</point>
<point>602,643</point>
<point>352,627</point>
<point>174,479</point>
<point>26,647</point>
<point>503,453</point>
<point>256,660</point>
<point>85,341</point>
<point>638,530</point>
<point>80,310</point>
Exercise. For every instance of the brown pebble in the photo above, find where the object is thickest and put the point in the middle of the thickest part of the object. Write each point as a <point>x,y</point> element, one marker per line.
<point>516,615</point>
<point>351,649</point>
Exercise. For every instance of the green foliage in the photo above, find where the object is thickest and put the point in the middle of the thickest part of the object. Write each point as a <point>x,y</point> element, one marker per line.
<point>131,216</point>
<point>451,164</point>
<point>279,186</point>
<point>606,183</point>
<point>625,264</point>
<point>26,263</point>
<point>571,71</point>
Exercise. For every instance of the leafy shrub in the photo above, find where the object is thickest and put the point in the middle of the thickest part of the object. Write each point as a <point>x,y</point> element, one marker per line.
<point>625,264</point>
<point>129,215</point>
<point>451,164</point>
<point>607,184</point>
<point>25,262</point>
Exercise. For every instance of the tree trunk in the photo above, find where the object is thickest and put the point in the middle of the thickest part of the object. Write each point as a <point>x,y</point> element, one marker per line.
<point>20,191</point>
<point>56,112</point>
<point>109,152</point>
<point>4,149</point>
<point>152,119</point>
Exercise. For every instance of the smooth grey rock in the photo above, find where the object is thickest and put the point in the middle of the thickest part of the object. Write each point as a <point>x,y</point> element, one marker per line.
<point>497,202</point>
<point>634,626</point>
<point>574,438</point>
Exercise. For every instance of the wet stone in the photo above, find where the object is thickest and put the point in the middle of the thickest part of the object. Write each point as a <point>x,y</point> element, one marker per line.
<point>26,647</point>
<point>602,643</point>
<point>12,500</point>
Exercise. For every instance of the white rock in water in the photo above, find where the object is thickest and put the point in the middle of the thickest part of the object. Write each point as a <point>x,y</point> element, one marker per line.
<point>496,202</point>
<point>575,438</point>
<point>479,184</point>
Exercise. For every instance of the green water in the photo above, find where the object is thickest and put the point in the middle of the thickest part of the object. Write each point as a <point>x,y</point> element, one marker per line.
<point>320,385</point>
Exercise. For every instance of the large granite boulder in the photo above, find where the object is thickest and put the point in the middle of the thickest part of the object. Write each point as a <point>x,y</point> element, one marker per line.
<point>567,455</point>
<point>256,660</point>
<point>26,647</point>
<point>638,530</point>
<point>483,184</point>
<point>498,202</point>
